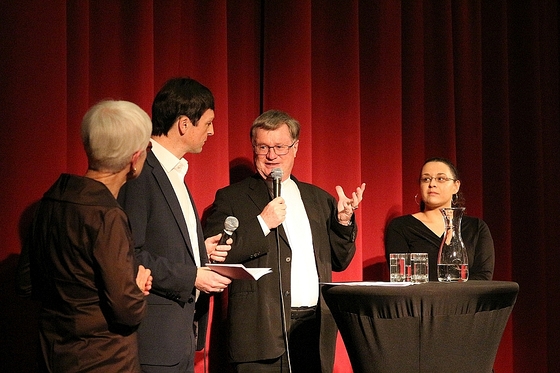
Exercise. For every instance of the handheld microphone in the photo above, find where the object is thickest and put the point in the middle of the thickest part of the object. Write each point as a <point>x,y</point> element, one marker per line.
<point>276,176</point>
<point>230,225</point>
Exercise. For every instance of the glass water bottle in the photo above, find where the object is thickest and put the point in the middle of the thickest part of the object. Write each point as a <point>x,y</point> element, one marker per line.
<point>453,263</point>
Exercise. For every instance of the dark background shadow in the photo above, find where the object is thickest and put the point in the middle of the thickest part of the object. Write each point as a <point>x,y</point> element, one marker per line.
<point>239,169</point>
<point>377,269</point>
<point>19,332</point>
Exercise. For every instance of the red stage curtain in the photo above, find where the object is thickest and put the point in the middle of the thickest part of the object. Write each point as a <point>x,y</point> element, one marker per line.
<point>378,86</point>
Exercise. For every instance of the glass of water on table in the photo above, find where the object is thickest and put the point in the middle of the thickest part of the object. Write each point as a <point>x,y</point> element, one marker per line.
<point>419,268</point>
<point>399,265</point>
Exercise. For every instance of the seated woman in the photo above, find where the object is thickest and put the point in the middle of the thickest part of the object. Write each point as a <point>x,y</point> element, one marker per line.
<point>422,232</point>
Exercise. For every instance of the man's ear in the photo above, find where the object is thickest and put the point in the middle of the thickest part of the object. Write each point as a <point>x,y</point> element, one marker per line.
<point>183,124</point>
<point>295,147</point>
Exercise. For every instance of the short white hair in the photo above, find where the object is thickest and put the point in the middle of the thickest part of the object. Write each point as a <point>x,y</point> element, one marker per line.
<point>112,131</point>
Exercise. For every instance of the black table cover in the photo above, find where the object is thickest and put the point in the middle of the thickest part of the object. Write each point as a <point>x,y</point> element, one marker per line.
<point>432,327</point>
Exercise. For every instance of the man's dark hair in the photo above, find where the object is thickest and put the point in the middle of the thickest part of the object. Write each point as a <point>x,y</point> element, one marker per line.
<point>179,96</point>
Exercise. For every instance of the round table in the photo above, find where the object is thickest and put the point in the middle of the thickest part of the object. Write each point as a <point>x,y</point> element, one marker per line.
<point>431,327</point>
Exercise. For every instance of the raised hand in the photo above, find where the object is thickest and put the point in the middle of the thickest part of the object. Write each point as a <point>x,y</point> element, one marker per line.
<point>347,205</point>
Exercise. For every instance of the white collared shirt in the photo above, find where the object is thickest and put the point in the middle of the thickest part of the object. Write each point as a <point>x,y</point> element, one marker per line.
<point>304,279</point>
<point>176,169</point>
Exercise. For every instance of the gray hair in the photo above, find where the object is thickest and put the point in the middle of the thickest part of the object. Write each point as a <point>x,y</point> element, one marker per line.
<point>273,119</point>
<point>112,131</point>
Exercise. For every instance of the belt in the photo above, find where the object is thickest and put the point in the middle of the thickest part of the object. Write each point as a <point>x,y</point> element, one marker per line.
<point>303,312</point>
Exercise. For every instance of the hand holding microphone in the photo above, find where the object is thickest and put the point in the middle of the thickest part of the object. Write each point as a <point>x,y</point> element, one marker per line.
<point>274,213</point>
<point>220,251</point>
<point>230,225</point>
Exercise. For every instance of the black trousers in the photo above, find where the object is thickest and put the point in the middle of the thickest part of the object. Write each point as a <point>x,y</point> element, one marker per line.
<point>303,342</point>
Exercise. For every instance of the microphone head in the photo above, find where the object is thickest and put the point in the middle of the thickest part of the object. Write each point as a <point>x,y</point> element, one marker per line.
<point>277,173</point>
<point>231,224</point>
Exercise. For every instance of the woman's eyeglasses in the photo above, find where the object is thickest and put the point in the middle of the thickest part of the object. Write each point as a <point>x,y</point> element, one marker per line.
<point>439,179</point>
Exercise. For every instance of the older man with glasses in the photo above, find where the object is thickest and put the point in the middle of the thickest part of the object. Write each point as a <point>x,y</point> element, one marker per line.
<point>280,323</point>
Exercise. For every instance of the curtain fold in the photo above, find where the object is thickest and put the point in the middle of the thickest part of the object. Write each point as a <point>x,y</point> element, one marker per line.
<point>378,86</point>
<point>496,169</point>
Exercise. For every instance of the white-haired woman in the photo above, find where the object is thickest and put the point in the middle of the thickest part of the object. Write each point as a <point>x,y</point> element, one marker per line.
<point>79,260</point>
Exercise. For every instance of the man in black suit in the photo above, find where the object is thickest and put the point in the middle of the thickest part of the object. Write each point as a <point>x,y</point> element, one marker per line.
<point>167,233</point>
<point>303,235</point>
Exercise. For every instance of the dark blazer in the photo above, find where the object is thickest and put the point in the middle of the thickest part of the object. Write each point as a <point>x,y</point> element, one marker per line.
<point>254,311</point>
<point>162,244</point>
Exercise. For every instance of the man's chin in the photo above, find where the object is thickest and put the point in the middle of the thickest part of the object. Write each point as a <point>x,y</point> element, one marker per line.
<point>263,175</point>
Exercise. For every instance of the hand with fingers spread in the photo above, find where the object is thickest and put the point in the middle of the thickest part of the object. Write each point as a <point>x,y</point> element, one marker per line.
<point>346,206</point>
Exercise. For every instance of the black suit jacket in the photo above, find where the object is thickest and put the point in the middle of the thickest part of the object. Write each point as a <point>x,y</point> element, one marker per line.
<point>162,244</point>
<point>254,311</point>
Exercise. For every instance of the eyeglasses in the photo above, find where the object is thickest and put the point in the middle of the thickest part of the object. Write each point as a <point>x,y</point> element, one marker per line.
<point>278,149</point>
<point>439,179</point>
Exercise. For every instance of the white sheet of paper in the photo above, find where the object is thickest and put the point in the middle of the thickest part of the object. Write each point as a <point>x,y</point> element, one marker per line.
<point>238,271</point>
